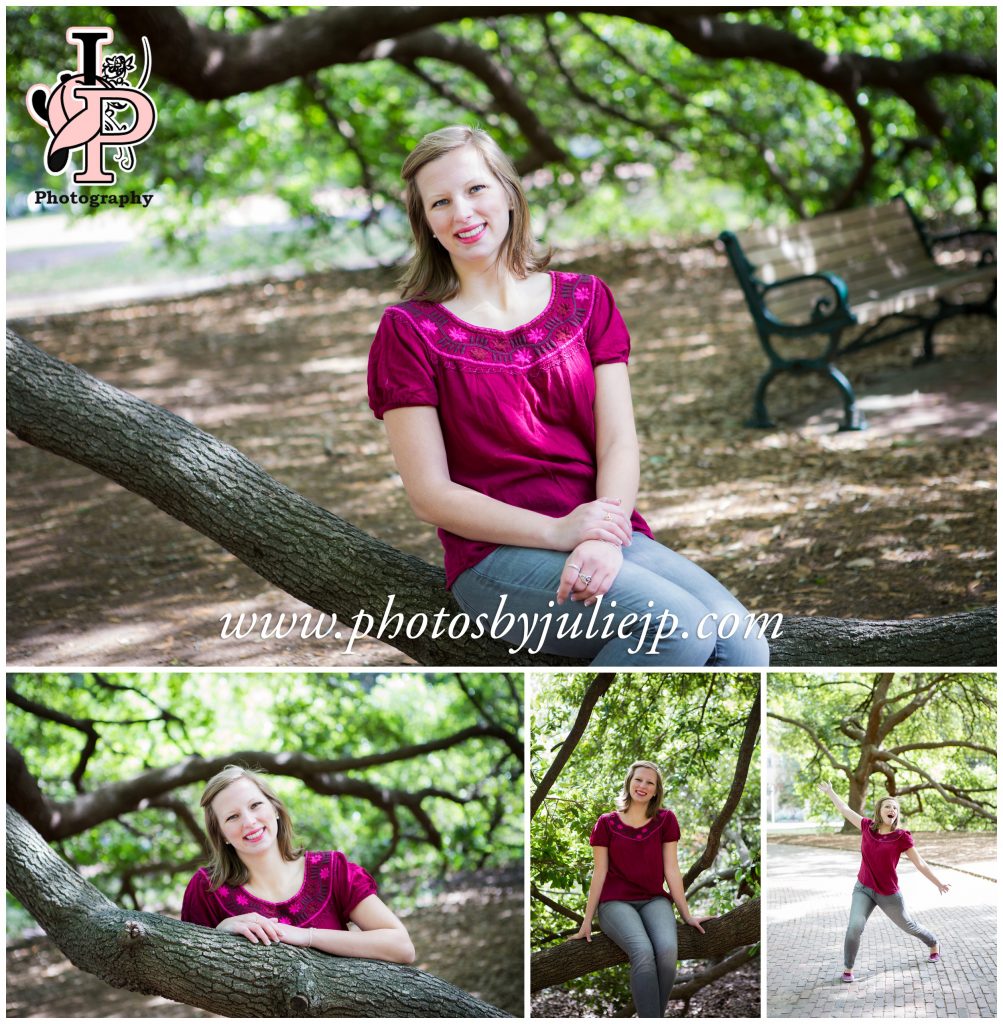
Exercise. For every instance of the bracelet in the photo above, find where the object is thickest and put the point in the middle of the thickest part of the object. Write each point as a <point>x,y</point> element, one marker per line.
<point>309,941</point>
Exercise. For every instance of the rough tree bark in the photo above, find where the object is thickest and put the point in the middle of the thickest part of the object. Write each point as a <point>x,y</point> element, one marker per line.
<point>335,567</point>
<point>558,964</point>
<point>223,973</point>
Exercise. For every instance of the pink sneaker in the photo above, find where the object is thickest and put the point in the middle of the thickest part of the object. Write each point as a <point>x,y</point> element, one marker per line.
<point>933,958</point>
<point>847,976</point>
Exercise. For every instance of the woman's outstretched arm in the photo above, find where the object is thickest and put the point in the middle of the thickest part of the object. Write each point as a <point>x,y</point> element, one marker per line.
<point>851,816</point>
<point>420,454</point>
<point>924,869</point>
<point>381,935</point>
<point>670,863</point>
<point>599,872</point>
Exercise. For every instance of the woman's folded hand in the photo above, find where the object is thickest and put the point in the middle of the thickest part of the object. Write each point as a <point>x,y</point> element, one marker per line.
<point>602,519</point>
<point>252,926</point>
<point>589,571</point>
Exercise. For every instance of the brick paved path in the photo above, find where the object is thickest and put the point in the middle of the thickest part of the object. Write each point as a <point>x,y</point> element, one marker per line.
<point>807,906</point>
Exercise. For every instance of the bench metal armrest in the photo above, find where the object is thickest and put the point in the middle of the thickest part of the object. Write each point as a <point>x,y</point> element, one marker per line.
<point>834,307</point>
<point>987,257</point>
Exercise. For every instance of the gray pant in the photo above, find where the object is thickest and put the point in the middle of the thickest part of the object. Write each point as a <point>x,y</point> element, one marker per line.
<point>646,931</point>
<point>863,903</point>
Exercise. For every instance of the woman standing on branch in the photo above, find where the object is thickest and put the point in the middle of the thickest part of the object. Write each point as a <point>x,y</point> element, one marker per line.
<point>261,886</point>
<point>882,841</point>
<point>635,850</point>
<point>505,395</point>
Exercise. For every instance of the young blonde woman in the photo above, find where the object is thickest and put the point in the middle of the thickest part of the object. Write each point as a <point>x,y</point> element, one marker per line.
<point>505,395</point>
<point>882,842</point>
<point>635,851</point>
<point>259,884</point>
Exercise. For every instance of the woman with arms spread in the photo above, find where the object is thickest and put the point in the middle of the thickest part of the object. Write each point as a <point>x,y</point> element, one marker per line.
<point>261,886</point>
<point>505,395</point>
<point>635,850</point>
<point>882,841</point>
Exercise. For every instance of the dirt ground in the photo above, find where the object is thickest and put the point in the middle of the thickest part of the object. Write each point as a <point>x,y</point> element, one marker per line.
<point>471,936</point>
<point>893,522</point>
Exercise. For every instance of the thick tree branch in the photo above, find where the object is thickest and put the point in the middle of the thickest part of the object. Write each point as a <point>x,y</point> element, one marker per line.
<point>203,967</point>
<point>57,820</point>
<point>575,958</point>
<point>335,567</point>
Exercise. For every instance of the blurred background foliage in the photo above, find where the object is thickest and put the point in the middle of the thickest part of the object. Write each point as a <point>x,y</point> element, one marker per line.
<point>659,141</point>
<point>962,709</point>
<point>691,726</point>
<point>153,720</point>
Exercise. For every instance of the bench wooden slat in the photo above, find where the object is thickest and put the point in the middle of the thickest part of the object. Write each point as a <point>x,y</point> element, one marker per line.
<point>871,303</point>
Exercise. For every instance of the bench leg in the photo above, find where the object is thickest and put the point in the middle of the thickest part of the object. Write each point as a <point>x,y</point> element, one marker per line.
<point>852,418</point>
<point>760,417</point>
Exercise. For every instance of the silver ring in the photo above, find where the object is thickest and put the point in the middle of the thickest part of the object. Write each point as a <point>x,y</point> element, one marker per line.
<point>608,517</point>
<point>585,579</point>
<point>571,565</point>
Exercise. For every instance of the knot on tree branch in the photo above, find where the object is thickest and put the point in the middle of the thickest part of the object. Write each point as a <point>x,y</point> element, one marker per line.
<point>131,932</point>
<point>304,996</point>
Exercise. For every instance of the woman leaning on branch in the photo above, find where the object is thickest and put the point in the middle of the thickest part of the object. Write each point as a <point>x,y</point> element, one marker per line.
<point>262,886</point>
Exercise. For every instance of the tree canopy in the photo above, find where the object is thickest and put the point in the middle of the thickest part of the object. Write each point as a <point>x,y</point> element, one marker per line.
<point>586,730</point>
<point>615,115</point>
<point>411,776</point>
<point>928,739</point>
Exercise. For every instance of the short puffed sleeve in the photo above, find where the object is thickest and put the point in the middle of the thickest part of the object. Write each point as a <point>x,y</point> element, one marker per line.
<point>401,372</point>
<point>352,884</point>
<point>670,828</point>
<point>198,905</point>
<point>608,339</point>
<point>906,841</point>
<point>600,833</point>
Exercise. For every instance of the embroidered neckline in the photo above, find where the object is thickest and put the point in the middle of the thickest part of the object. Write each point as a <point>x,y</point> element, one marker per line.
<point>637,831</point>
<point>552,332</point>
<point>479,329</point>
<point>308,901</point>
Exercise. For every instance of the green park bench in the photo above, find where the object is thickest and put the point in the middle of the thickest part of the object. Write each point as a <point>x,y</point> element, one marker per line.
<point>872,268</point>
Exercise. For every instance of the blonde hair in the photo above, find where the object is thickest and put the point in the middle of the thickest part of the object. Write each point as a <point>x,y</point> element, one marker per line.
<point>429,274</point>
<point>876,820</point>
<point>225,867</point>
<point>623,801</point>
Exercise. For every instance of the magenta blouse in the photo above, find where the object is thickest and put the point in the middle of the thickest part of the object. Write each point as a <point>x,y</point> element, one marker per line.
<point>636,868</point>
<point>879,857</point>
<point>332,888</point>
<point>515,407</point>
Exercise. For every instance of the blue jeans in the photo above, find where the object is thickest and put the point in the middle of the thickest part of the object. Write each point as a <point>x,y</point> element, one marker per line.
<point>865,899</point>
<point>646,931</point>
<point>661,610</point>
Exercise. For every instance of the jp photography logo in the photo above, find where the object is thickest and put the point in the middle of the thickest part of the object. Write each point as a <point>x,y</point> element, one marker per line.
<point>90,111</point>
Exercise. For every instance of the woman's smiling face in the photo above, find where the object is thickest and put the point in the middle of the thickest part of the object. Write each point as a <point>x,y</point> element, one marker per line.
<point>643,785</point>
<point>466,206</point>
<point>246,817</point>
